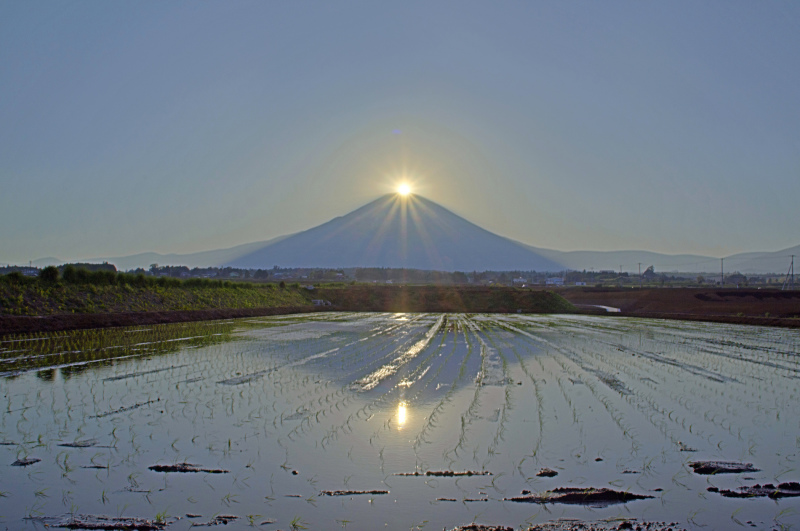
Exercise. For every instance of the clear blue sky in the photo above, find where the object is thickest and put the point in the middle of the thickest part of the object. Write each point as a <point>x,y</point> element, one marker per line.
<point>178,127</point>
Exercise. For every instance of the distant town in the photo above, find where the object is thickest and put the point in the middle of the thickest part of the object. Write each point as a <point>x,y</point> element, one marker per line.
<point>605,278</point>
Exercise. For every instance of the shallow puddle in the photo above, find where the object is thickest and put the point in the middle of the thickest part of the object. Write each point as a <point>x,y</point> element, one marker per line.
<point>367,421</point>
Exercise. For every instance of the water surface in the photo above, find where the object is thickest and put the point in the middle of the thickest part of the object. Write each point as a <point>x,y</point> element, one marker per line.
<point>292,406</point>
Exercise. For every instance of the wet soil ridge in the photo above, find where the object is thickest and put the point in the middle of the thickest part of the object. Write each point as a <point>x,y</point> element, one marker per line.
<point>783,490</point>
<point>352,492</point>
<point>187,468</point>
<point>26,461</point>
<point>238,380</point>
<point>479,527</point>
<point>446,473</point>
<point>721,467</point>
<point>87,443</point>
<point>569,524</point>
<point>580,496</point>
<point>124,409</point>
<point>89,521</point>
<point>221,519</point>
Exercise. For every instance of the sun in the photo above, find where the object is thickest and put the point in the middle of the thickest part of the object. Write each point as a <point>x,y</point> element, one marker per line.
<point>404,189</point>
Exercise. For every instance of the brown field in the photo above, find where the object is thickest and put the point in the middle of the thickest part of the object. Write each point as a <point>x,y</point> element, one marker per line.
<point>744,306</point>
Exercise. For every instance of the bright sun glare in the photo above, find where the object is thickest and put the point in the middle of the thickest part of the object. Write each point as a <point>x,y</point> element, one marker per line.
<point>404,189</point>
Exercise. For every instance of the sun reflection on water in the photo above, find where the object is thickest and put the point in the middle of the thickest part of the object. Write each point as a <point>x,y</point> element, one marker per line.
<point>402,415</point>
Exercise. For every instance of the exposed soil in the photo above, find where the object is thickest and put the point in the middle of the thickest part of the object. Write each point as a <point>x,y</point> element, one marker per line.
<point>186,467</point>
<point>579,496</point>
<point>547,473</point>
<point>452,299</point>
<point>123,409</point>
<point>478,527</point>
<point>766,307</point>
<point>89,521</point>
<point>579,525</point>
<point>351,492</point>
<point>89,443</point>
<point>446,473</point>
<point>26,461</point>
<point>222,519</point>
<point>721,467</point>
<point>783,490</point>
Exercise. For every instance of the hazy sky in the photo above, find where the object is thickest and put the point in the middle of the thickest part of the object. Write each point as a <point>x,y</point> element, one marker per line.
<point>178,127</point>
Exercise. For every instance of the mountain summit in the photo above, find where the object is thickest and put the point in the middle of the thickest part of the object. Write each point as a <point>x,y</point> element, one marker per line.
<point>398,231</point>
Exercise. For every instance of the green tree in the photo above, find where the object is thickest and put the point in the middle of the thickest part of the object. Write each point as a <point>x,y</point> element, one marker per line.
<point>70,274</point>
<point>49,274</point>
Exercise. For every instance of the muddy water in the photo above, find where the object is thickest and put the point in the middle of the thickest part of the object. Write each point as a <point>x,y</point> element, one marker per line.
<point>276,413</point>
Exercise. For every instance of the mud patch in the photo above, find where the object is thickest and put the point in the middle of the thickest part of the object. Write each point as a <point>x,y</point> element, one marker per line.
<point>222,519</point>
<point>124,409</point>
<point>580,496</point>
<point>478,527</point>
<point>351,492</point>
<point>142,373</point>
<point>26,461</point>
<point>546,473</point>
<point>568,524</point>
<point>88,443</point>
<point>187,468</point>
<point>783,490</point>
<point>445,473</point>
<point>721,467</point>
<point>611,381</point>
<point>238,380</point>
<point>90,521</point>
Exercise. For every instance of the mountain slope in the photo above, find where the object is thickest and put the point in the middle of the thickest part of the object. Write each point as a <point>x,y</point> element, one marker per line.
<point>394,231</point>
<point>415,232</point>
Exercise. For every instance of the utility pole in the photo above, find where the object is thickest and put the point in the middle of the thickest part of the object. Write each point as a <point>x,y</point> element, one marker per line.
<point>721,272</point>
<point>640,275</point>
<point>789,275</point>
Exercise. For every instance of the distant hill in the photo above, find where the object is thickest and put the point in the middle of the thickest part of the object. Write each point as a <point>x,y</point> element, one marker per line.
<point>414,232</point>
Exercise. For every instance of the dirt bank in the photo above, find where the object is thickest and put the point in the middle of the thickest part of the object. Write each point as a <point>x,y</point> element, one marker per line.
<point>736,306</point>
<point>451,299</point>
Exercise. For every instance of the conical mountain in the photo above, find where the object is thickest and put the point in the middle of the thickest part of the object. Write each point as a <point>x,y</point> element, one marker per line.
<point>398,231</point>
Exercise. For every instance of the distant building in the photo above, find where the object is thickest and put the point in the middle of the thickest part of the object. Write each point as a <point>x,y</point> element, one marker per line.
<point>555,281</point>
<point>580,283</point>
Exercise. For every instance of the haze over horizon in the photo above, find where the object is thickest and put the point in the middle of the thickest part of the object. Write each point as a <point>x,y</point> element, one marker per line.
<point>184,127</point>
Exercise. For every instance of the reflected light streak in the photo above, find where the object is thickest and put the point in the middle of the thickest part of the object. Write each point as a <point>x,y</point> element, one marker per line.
<point>401,415</point>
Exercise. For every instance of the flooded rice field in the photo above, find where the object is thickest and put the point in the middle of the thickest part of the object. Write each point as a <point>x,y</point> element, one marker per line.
<point>402,421</point>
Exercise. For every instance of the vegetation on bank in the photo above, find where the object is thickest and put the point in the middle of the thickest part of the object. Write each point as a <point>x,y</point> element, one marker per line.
<point>77,290</point>
<point>82,291</point>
